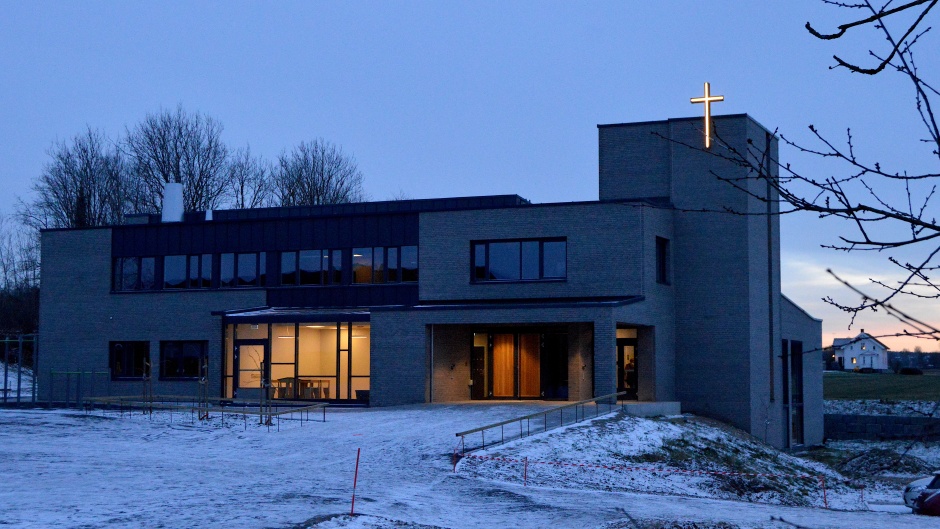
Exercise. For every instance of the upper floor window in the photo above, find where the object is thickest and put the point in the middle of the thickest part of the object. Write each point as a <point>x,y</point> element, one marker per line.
<point>519,260</point>
<point>312,267</point>
<point>133,273</point>
<point>385,264</point>
<point>663,268</point>
<point>242,269</point>
<point>187,271</point>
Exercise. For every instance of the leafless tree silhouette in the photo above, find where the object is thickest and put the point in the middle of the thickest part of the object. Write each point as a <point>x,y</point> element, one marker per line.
<point>83,185</point>
<point>176,146</point>
<point>314,173</point>
<point>249,180</point>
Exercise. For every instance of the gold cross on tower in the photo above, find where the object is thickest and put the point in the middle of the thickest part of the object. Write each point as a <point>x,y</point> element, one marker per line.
<point>708,100</point>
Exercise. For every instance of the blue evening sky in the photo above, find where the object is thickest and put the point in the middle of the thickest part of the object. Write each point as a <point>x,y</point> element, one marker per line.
<point>462,98</point>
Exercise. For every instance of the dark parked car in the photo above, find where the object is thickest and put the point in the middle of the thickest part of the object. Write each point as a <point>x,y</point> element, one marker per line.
<point>923,495</point>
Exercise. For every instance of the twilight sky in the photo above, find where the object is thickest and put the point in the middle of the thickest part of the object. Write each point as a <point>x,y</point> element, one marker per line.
<point>467,98</point>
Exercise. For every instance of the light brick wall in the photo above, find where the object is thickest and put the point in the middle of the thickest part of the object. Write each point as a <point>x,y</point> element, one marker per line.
<point>604,250</point>
<point>798,325</point>
<point>79,315</point>
<point>726,267</point>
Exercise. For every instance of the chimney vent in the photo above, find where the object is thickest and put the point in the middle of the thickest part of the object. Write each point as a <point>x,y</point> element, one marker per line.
<point>173,202</point>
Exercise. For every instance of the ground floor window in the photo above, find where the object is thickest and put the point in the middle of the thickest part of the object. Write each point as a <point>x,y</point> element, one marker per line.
<point>519,365</point>
<point>183,360</point>
<point>129,360</point>
<point>298,360</point>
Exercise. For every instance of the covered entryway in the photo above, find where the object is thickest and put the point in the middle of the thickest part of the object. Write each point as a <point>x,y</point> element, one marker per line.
<point>527,364</point>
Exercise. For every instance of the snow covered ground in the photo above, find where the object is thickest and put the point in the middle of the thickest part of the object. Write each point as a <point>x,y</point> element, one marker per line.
<point>906,408</point>
<point>69,469</point>
<point>681,455</point>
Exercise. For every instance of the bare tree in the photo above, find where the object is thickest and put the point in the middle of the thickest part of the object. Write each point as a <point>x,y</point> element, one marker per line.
<point>862,195</point>
<point>83,185</point>
<point>19,277</point>
<point>249,180</point>
<point>401,195</point>
<point>316,172</point>
<point>176,146</point>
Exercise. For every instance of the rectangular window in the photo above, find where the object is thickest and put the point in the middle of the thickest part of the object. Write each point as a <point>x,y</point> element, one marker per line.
<point>554,259</point>
<point>174,271</point>
<point>242,269</point>
<point>662,261</point>
<point>130,273</point>
<point>378,264</point>
<point>133,273</point>
<point>336,267</point>
<point>392,274</point>
<point>247,269</point>
<point>193,271</point>
<point>310,267</point>
<point>148,273</point>
<point>530,260</point>
<point>479,262</point>
<point>129,360</point>
<point>523,260</point>
<point>182,271</point>
<point>195,279</point>
<point>206,274</point>
<point>183,360</point>
<point>504,261</point>
<point>227,270</point>
<point>362,265</point>
<point>409,264</point>
<point>288,268</point>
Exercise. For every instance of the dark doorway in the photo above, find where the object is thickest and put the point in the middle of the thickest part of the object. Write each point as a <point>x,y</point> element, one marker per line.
<point>627,379</point>
<point>796,391</point>
<point>478,372</point>
<point>555,366</point>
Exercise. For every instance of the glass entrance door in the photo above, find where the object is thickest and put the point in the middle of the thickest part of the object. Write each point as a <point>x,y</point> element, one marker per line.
<point>250,362</point>
<point>519,365</point>
<point>626,366</point>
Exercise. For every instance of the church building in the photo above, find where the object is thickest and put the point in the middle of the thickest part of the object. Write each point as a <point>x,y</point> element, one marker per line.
<point>654,289</point>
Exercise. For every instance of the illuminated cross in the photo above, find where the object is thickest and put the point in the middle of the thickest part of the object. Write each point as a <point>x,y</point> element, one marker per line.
<point>708,100</point>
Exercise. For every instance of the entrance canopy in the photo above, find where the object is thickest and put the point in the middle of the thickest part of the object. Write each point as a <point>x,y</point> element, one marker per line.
<point>291,314</point>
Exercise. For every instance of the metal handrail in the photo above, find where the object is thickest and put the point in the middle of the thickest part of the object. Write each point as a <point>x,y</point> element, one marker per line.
<point>534,415</point>
<point>188,402</point>
<point>167,402</point>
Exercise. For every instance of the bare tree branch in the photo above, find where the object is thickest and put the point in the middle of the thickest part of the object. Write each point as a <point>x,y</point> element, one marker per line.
<point>316,173</point>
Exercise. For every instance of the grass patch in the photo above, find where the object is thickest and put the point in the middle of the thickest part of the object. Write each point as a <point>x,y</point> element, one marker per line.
<point>851,386</point>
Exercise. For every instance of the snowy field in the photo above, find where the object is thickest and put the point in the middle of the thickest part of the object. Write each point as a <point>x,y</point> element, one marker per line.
<point>70,469</point>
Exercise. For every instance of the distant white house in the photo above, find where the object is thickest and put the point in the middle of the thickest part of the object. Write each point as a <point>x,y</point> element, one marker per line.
<point>860,352</point>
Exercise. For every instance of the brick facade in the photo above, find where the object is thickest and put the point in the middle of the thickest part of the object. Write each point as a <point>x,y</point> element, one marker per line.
<point>705,303</point>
